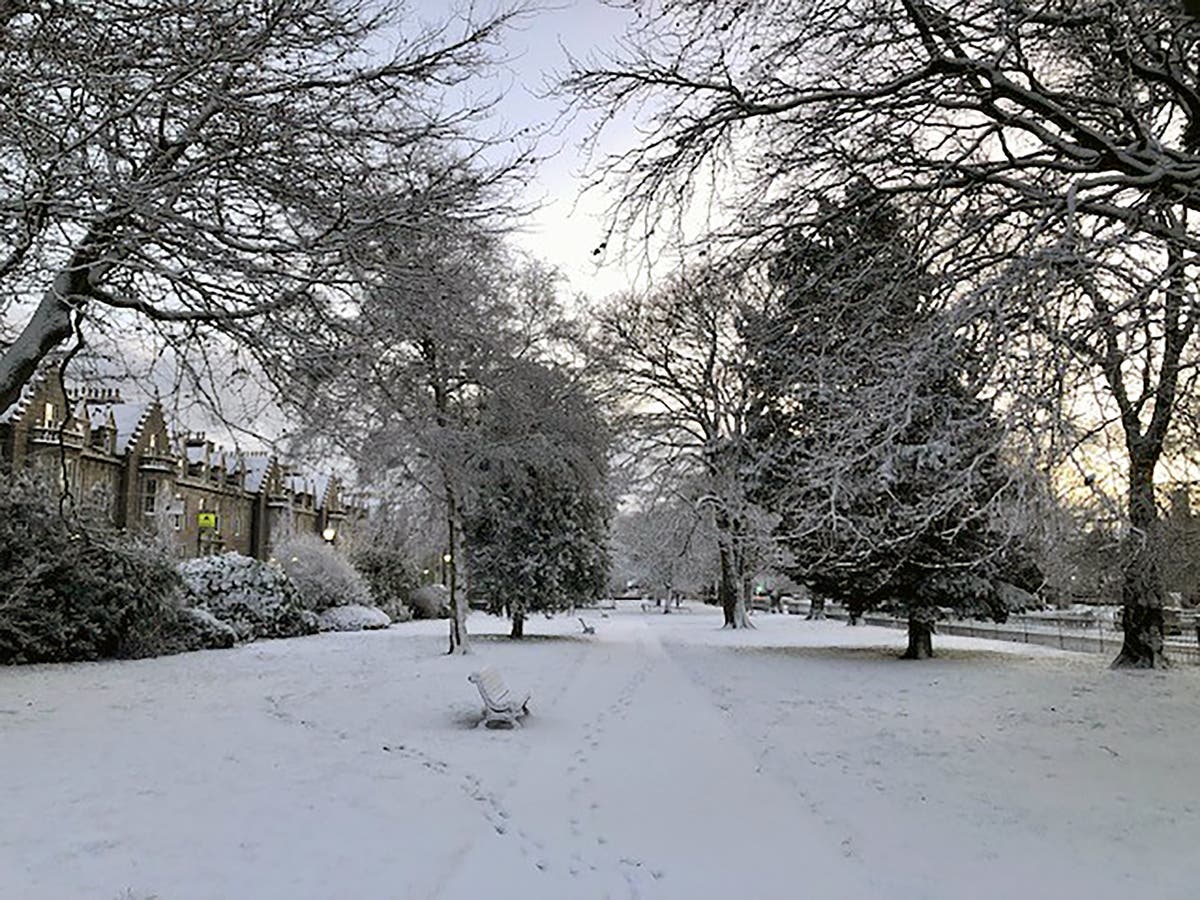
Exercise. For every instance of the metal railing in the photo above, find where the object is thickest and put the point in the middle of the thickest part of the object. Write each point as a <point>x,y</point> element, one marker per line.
<point>1081,636</point>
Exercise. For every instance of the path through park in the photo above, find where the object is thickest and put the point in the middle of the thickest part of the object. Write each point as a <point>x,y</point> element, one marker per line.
<point>664,758</point>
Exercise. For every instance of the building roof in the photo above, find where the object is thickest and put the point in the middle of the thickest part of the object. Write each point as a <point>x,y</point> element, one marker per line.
<point>298,483</point>
<point>230,460</point>
<point>16,409</point>
<point>130,419</point>
<point>256,466</point>
<point>321,485</point>
<point>97,418</point>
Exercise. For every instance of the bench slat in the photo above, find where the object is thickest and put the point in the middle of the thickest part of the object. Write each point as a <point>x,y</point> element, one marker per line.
<point>496,688</point>
<point>497,698</point>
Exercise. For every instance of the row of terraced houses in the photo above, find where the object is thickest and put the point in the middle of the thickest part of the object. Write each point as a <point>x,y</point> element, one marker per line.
<point>121,457</point>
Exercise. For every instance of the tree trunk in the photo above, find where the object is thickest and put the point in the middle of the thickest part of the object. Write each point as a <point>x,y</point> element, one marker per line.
<point>518,625</point>
<point>732,596</point>
<point>459,642</point>
<point>741,618</point>
<point>1142,588</point>
<point>741,605</point>
<point>729,593</point>
<point>920,636</point>
<point>49,326</point>
<point>50,323</point>
<point>727,586</point>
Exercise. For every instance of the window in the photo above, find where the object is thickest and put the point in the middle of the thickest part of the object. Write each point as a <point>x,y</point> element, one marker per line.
<point>48,416</point>
<point>150,495</point>
<point>153,440</point>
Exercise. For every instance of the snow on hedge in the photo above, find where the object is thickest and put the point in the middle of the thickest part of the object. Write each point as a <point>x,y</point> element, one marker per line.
<point>256,599</point>
<point>199,629</point>
<point>353,618</point>
<point>323,576</point>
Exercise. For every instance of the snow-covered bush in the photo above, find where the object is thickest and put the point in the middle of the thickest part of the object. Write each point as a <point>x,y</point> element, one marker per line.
<point>256,599</point>
<point>321,574</point>
<point>353,618</point>
<point>71,588</point>
<point>177,630</point>
<point>200,630</point>
<point>430,602</point>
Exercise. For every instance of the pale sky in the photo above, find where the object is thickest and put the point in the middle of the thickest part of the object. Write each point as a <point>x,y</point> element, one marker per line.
<point>567,228</point>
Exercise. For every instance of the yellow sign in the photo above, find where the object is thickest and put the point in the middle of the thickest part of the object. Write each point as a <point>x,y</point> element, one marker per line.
<point>206,520</point>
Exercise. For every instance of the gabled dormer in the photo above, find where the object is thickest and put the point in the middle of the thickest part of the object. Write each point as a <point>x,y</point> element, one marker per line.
<point>46,415</point>
<point>150,442</point>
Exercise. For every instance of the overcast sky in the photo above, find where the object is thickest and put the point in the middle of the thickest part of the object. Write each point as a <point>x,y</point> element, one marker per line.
<point>567,228</point>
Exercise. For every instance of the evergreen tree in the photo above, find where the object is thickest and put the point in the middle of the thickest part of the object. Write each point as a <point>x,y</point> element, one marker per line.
<point>536,523</point>
<point>870,438</point>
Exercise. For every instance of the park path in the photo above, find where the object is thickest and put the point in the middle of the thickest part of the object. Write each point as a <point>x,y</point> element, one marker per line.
<point>634,785</point>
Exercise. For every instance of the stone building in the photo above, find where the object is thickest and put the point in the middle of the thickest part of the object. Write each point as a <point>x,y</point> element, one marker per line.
<point>120,457</point>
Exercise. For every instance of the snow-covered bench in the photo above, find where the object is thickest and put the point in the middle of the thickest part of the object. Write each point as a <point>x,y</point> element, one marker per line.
<point>500,705</point>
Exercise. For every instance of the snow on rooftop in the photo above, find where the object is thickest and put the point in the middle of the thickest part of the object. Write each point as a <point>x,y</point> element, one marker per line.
<point>298,483</point>
<point>97,417</point>
<point>320,485</point>
<point>20,404</point>
<point>256,466</point>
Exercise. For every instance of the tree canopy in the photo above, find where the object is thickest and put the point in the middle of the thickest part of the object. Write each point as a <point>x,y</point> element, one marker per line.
<point>219,164</point>
<point>536,520</point>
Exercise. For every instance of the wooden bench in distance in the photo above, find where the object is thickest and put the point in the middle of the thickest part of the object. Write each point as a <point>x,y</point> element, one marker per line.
<point>500,705</point>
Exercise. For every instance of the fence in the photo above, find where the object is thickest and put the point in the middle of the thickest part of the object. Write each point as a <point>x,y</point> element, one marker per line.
<point>1080,634</point>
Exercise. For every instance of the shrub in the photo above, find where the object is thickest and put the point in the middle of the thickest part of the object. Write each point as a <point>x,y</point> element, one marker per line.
<point>258,600</point>
<point>198,629</point>
<point>353,618</point>
<point>321,574</point>
<point>430,602</point>
<point>388,575</point>
<point>71,588</point>
<point>178,631</point>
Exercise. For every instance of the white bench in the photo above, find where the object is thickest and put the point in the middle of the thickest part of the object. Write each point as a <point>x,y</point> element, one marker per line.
<point>500,705</point>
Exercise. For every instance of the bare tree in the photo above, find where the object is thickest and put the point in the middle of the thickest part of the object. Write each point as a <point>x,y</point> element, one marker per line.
<point>667,546</point>
<point>1121,310</point>
<point>675,356</point>
<point>215,164</point>
<point>1021,125</point>
<point>448,316</point>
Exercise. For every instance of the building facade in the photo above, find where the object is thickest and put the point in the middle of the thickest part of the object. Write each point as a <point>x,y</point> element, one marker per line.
<point>119,457</point>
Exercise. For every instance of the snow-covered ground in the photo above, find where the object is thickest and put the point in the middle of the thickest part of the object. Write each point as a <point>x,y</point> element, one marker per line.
<point>664,758</point>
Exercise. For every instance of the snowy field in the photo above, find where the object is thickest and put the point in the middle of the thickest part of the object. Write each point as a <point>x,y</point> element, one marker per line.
<point>664,759</point>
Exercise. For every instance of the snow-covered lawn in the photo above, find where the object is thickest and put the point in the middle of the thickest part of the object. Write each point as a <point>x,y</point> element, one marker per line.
<point>664,758</point>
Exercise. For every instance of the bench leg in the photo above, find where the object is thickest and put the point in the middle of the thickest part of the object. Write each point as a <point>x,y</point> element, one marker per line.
<point>491,719</point>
